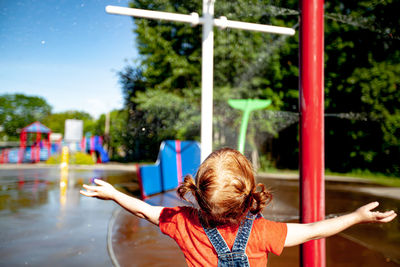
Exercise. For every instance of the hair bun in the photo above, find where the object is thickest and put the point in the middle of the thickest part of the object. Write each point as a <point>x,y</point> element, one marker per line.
<point>261,199</point>
<point>188,185</point>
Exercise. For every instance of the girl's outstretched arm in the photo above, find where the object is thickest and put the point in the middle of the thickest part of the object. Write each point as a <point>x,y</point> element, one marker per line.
<point>137,207</point>
<point>300,233</point>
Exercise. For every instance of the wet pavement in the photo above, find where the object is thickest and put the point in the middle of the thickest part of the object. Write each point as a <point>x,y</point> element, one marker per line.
<point>360,245</point>
<point>45,222</point>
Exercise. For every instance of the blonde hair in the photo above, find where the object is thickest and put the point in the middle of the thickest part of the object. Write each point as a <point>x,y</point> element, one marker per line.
<point>225,188</point>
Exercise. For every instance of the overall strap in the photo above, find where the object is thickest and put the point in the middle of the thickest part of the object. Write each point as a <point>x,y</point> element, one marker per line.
<point>216,239</point>
<point>244,231</point>
<point>241,239</point>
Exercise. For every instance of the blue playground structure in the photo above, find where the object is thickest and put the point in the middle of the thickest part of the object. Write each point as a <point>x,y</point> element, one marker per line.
<point>94,145</point>
<point>175,160</point>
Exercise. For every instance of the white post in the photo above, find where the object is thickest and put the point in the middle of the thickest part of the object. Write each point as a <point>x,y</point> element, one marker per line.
<point>207,68</point>
<point>194,19</point>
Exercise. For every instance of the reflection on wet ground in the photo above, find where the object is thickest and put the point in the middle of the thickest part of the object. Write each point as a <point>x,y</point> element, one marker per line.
<point>361,245</point>
<point>45,222</point>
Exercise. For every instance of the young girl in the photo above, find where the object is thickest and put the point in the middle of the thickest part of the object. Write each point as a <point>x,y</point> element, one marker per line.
<point>228,227</point>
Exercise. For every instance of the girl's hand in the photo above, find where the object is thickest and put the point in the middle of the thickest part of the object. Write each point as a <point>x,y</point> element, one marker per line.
<point>366,215</point>
<point>103,191</point>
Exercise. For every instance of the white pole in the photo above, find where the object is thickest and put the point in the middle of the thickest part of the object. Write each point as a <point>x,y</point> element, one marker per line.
<point>207,66</point>
<point>149,14</point>
<point>223,23</point>
<point>194,19</point>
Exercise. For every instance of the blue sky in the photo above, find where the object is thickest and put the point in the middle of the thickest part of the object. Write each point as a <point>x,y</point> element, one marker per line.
<point>68,52</point>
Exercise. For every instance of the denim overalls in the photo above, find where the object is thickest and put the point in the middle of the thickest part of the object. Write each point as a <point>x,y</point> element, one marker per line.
<point>236,257</point>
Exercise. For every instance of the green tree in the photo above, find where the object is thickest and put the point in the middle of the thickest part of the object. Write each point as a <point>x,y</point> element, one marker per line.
<point>18,111</point>
<point>362,59</point>
<point>115,140</point>
<point>56,121</point>
<point>380,99</point>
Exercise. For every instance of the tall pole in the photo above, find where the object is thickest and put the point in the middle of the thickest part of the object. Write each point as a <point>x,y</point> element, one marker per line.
<point>207,70</point>
<point>312,190</point>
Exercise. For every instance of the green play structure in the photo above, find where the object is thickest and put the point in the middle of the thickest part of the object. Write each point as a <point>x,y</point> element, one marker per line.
<point>247,105</point>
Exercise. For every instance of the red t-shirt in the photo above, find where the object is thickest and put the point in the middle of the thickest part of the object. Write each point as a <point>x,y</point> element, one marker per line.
<point>182,224</point>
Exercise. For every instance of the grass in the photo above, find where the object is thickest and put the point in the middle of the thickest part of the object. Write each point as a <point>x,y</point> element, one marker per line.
<point>377,178</point>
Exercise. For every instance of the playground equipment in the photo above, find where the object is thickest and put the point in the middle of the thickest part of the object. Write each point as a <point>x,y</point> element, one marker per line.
<point>64,175</point>
<point>40,150</point>
<point>247,105</point>
<point>94,146</point>
<point>311,99</point>
<point>34,155</point>
<point>31,150</point>
<point>64,158</point>
<point>175,160</point>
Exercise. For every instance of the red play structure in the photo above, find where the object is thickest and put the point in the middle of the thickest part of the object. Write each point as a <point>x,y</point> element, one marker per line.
<point>38,129</point>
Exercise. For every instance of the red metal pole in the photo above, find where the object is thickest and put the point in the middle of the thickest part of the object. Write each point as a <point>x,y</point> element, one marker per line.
<point>48,145</point>
<point>312,189</point>
<point>37,147</point>
<point>22,146</point>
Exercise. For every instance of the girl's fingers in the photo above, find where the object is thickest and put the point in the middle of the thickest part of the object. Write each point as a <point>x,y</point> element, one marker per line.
<point>100,182</point>
<point>88,194</point>
<point>382,215</point>
<point>388,218</point>
<point>372,205</point>
<point>88,187</point>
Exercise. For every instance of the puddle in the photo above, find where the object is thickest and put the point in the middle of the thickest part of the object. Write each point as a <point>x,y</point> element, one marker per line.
<point>46,222</point>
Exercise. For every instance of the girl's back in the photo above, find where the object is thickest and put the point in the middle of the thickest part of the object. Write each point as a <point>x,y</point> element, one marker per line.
<point>183,225</point>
